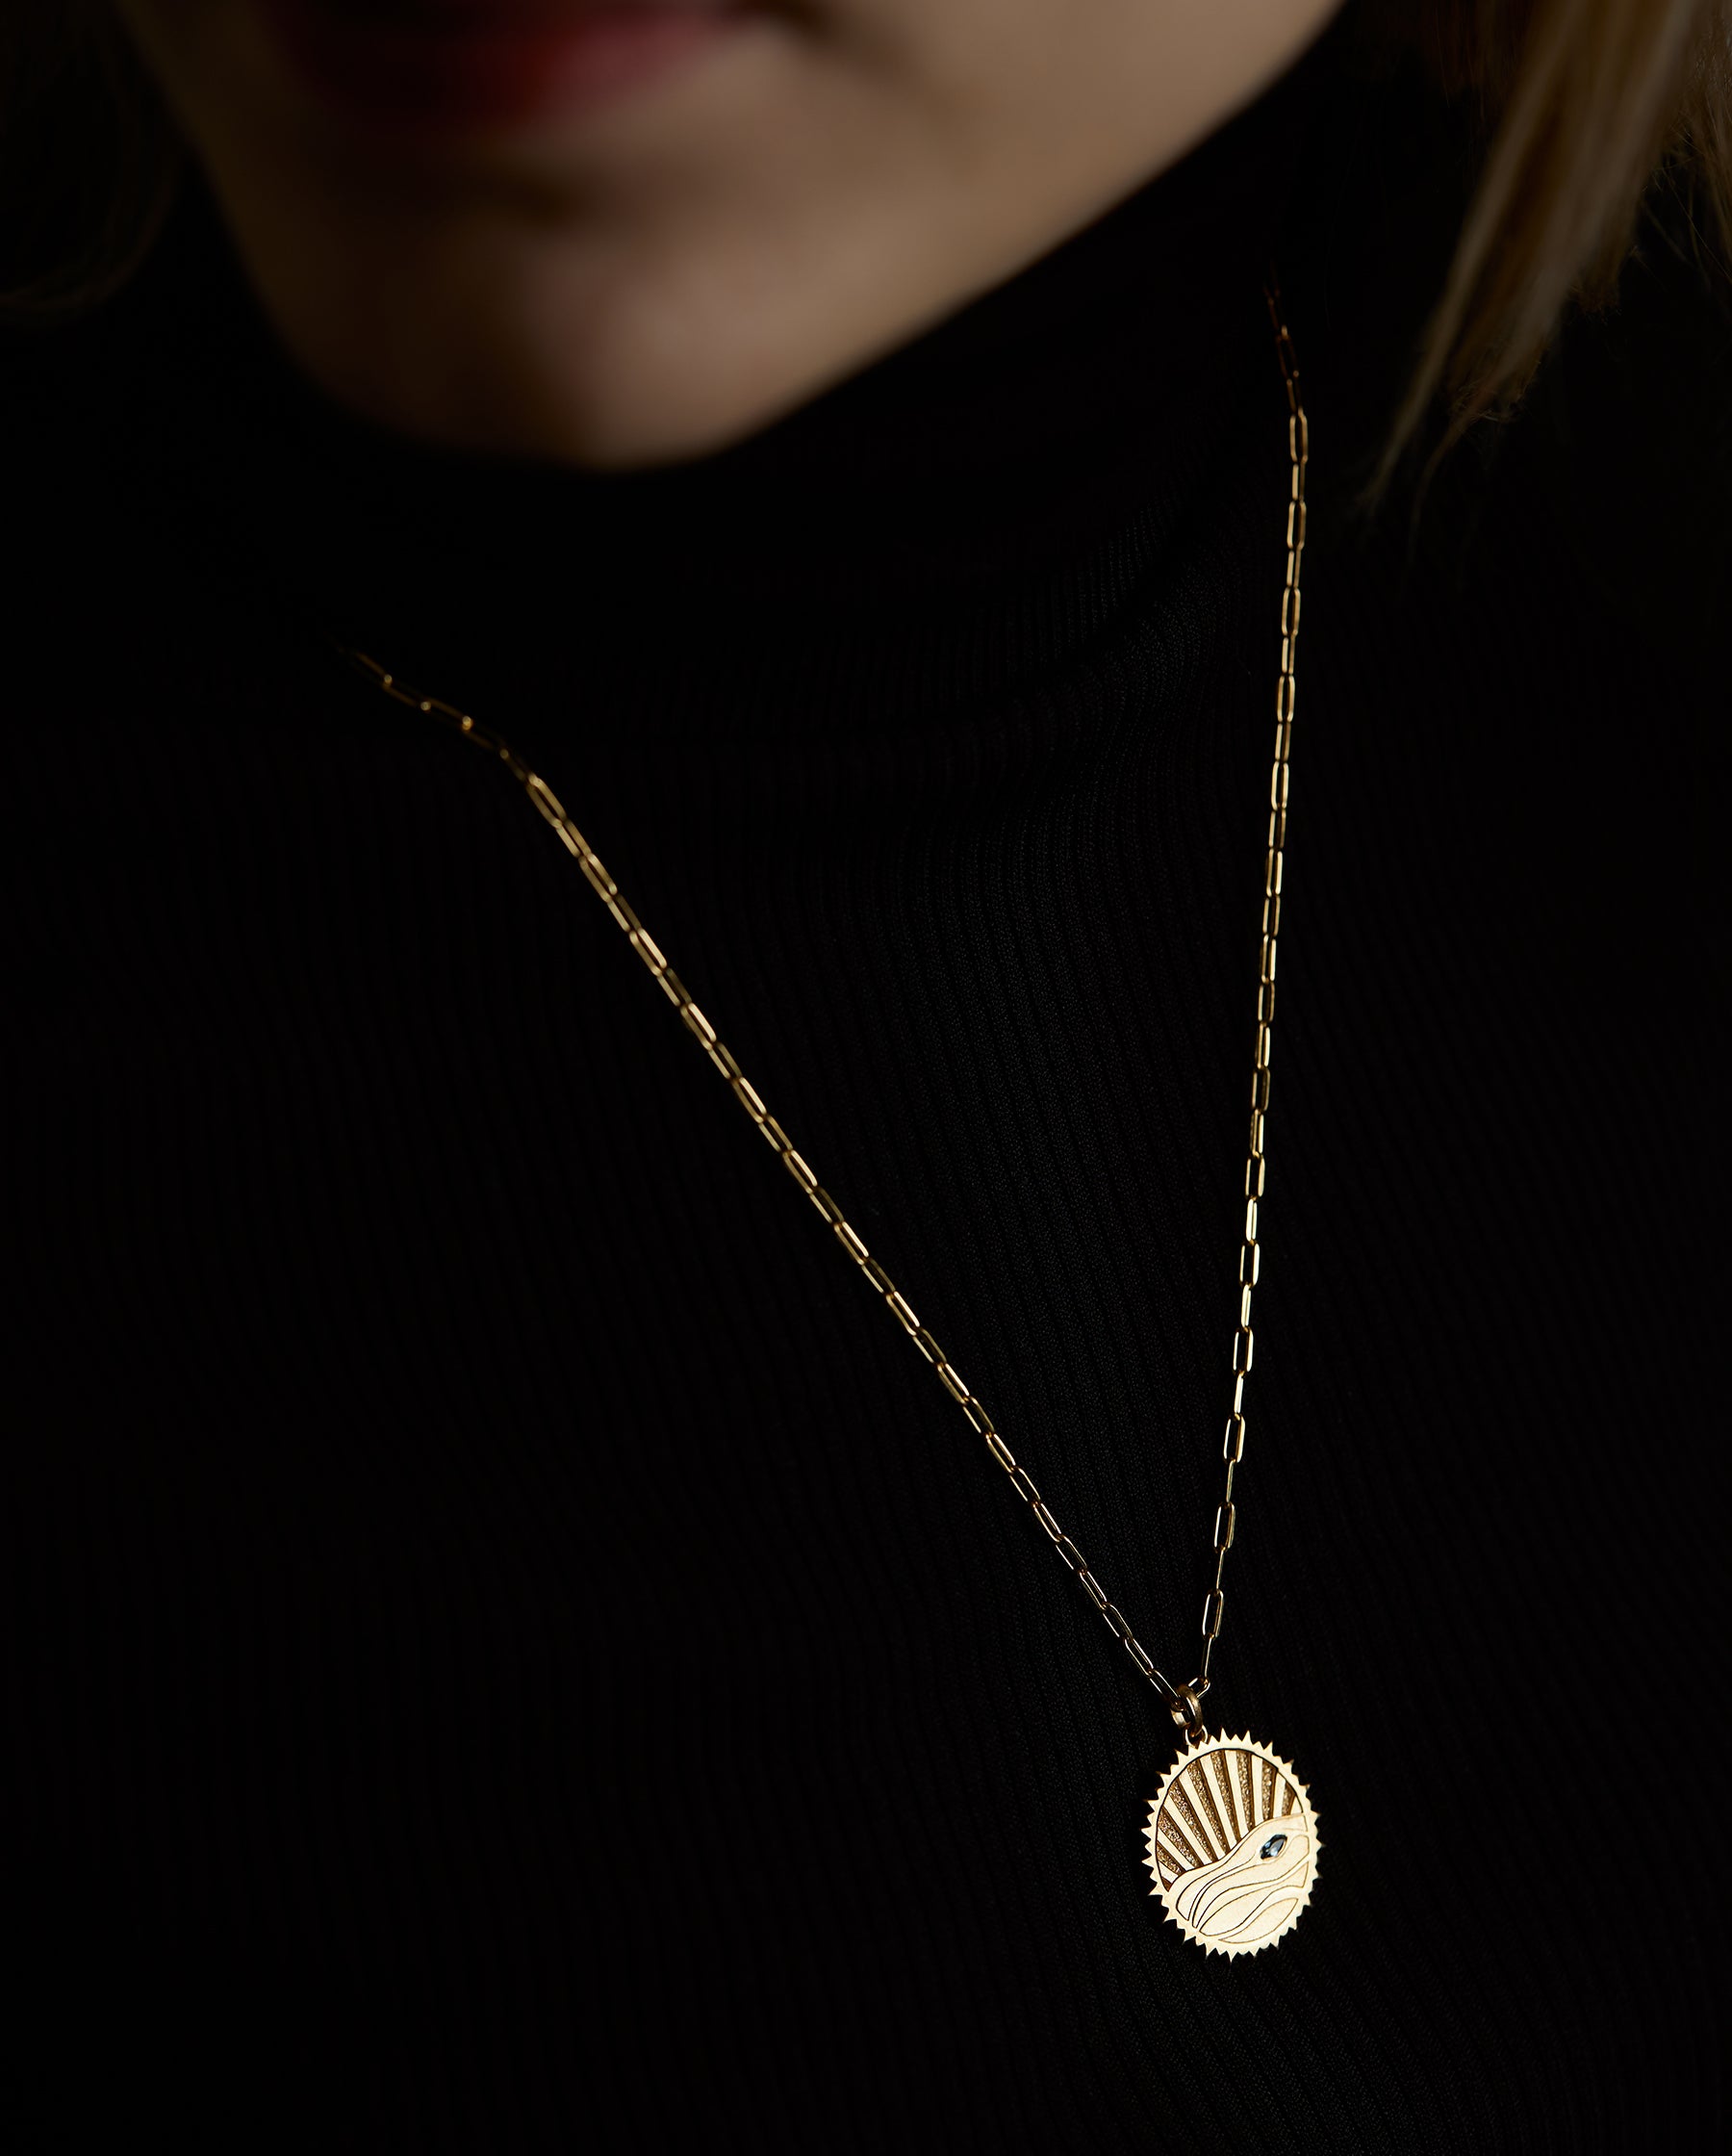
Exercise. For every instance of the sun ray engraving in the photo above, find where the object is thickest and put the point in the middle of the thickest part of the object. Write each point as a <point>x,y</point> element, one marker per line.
<point>1223,1768</point>
<point>1184,1854</point>
<point>1187,1812</point>
<point>1242,1886</point>
<point>1198,1782</point>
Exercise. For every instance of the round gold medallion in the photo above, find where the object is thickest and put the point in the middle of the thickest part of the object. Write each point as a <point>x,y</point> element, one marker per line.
<point>1232,1845</point>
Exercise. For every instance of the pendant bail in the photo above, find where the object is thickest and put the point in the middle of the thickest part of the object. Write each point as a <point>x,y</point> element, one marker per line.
<point>1188,1707</point>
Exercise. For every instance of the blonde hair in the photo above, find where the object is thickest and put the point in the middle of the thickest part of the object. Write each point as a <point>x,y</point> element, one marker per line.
<point>1588,108</point>
<point>1585,108</point>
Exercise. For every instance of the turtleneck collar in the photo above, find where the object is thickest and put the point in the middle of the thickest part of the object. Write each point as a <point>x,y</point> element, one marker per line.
<point>1037,450</point>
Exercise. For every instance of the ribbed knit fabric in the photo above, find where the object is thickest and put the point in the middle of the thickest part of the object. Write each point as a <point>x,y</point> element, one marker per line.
<point>514,1650</point>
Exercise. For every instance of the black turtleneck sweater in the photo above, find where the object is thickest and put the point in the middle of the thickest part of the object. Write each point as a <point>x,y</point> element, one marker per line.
<point>512,1650</point>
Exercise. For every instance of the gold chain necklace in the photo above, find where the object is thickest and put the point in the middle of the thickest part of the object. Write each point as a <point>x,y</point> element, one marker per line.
<point>1232,1836</point>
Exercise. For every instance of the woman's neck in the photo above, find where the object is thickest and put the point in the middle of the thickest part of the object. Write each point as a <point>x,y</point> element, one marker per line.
<point>1041,448</point>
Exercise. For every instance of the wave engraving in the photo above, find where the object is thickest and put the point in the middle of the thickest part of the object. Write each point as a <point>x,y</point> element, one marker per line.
<point>1232,1845</point>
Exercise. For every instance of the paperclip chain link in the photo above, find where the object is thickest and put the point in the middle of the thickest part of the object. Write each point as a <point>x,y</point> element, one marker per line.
<point>1182,1699</point>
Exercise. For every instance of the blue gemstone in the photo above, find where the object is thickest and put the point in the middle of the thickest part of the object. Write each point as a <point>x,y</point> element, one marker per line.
<point>1273,1847</point>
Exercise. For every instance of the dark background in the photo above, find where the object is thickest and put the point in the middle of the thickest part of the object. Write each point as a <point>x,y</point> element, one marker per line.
<point>511,1648</point>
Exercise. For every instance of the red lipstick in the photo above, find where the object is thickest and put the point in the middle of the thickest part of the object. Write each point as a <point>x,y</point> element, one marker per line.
<point>439,66</point>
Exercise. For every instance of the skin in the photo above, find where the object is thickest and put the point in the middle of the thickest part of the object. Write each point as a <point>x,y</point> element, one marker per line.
<point>668,271</point>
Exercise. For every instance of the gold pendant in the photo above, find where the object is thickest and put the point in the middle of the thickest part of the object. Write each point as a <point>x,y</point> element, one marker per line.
<point>1232,1845</point>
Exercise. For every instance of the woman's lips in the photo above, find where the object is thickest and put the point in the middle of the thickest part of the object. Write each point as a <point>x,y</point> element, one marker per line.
<point>436,66</point>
